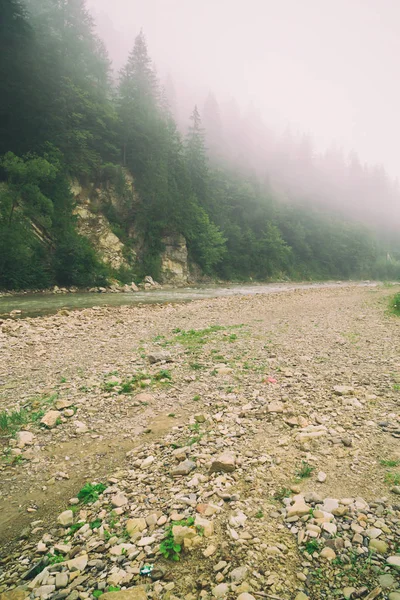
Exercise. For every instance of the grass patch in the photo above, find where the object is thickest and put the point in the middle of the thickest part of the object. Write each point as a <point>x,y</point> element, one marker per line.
<point>90,493</point>
<point>392,478</point>
<point>305,470</point>
<point>139,381</point>
<point>394,304</point>
<point>390,463</point>
<point>282,493</point>
<point>11,422</point>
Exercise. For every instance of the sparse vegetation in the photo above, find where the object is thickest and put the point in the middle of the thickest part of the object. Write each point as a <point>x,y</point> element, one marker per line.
<point>305,470</point>
<point>90,492</point>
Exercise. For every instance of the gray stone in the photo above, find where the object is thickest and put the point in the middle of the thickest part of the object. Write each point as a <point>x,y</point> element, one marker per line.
<point>184,468</point>
<point>239,574</point>
<point>221,590</point>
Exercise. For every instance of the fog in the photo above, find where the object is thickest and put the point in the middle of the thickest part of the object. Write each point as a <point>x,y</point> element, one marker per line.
<point>315,81</point>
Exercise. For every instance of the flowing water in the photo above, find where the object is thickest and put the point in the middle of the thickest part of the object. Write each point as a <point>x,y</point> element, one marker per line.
<point>33,305</point>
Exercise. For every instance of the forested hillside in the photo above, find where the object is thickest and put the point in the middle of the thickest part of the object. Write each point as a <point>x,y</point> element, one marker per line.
<point>64,117</point>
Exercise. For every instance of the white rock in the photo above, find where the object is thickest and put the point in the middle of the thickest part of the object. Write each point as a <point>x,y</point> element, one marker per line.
<point>66,518</point>
<point>24,438</point>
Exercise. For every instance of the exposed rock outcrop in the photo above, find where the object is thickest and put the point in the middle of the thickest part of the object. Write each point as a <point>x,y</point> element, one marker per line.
<point>174,260</point>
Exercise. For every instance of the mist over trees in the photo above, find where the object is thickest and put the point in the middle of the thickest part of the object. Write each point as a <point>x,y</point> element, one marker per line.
<point>250,204</point>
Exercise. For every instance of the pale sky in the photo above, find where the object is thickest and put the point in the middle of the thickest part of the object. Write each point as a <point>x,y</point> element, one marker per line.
<point>329,68</point>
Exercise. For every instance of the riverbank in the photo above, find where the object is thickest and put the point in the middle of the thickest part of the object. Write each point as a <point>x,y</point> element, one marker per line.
<point>33,305</point>
<point>300,389</point>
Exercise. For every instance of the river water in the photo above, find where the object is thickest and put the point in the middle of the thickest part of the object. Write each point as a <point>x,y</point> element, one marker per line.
<point>33,305</point>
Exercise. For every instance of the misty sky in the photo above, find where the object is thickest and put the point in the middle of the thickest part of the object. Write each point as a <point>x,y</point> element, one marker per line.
<point>326,67</point>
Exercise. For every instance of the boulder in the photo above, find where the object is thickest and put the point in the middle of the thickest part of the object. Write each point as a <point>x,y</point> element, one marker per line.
<point>226,463</point>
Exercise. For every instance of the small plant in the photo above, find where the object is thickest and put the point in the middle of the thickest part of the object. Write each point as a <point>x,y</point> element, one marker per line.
<point>55,558</point>
<point>394,304</point>
<point>163,374</point>
<point>75,527</point>
<point>282,493</point>
<point>172,415</point>
<point>194,427</point>
<point>311,546</point>
<point>390,463</point>
<point>233,337</point>
<point>90,493</point>
<point>259,514</point>
<point>196,398</point>
<point>168,547</point>
<point>196,366</point>
<point>396,387</point>
<point>113,588</point>
<point>97,593</point>
<point>95,524</point>
<point>305,470</point>
<point>63,380</point>
<point>392,478</point>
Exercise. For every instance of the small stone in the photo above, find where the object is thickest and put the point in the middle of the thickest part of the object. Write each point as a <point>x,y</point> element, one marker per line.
<point>184,468</point>
<point>209,551</point>
<point>245,596</point>
<point>343,390</point>
<point>78,564</point>
<point>239,574</point>
<point>135,525</point>
<point>24,438</point>
<point>387,581</point>
<point>119,500</point>
<point>373,533</point>
<point>321,477</point>
<point>395,489</point>
<point>394,596</point>
<point>147,462</point>
<point>66,518</point>
<point>226,463</point>
<point>50,419</point>
<point>221,590</point>
<point>146,541</point>
<point>61,580</point>
<point>301,596</point>
<point>394,561</point>
<point>161,356</point>
<point>328,553</point>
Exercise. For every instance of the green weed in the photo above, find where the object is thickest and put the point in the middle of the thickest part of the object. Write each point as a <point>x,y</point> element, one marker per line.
<point>390,463</point>
<point>90,493</point>
<point>259,514</point>
<point>305,470</point>
<point>394,304</point>
<point>282,493</point>
<point>311,546</point>
<point>55,558</point>
<point>168,547</point>
<point>75,527</point>
<point>392,478</point>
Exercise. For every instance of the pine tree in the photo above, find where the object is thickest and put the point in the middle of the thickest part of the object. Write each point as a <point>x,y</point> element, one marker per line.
<point>213,128</point>
<point>196,157</point>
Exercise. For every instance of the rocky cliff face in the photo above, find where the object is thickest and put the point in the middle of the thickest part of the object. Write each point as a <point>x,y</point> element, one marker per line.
<point>174,260</point>
<point>94,225</point>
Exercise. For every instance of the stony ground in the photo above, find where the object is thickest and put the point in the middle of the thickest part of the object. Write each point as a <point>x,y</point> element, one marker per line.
<point>255,440</point>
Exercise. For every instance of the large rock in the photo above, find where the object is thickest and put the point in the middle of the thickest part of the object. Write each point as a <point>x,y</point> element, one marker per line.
<point>24,438</point>
<point>134,593</point>
<point>50,419</point>
<point>174,260</point>
<point>98,230</point>
<point>226,463</point>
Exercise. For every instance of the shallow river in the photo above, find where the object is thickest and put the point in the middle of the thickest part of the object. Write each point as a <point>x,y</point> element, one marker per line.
<point>33,305</point>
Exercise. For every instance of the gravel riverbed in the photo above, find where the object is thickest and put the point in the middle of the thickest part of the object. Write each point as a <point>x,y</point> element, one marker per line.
<point>239,447</point>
